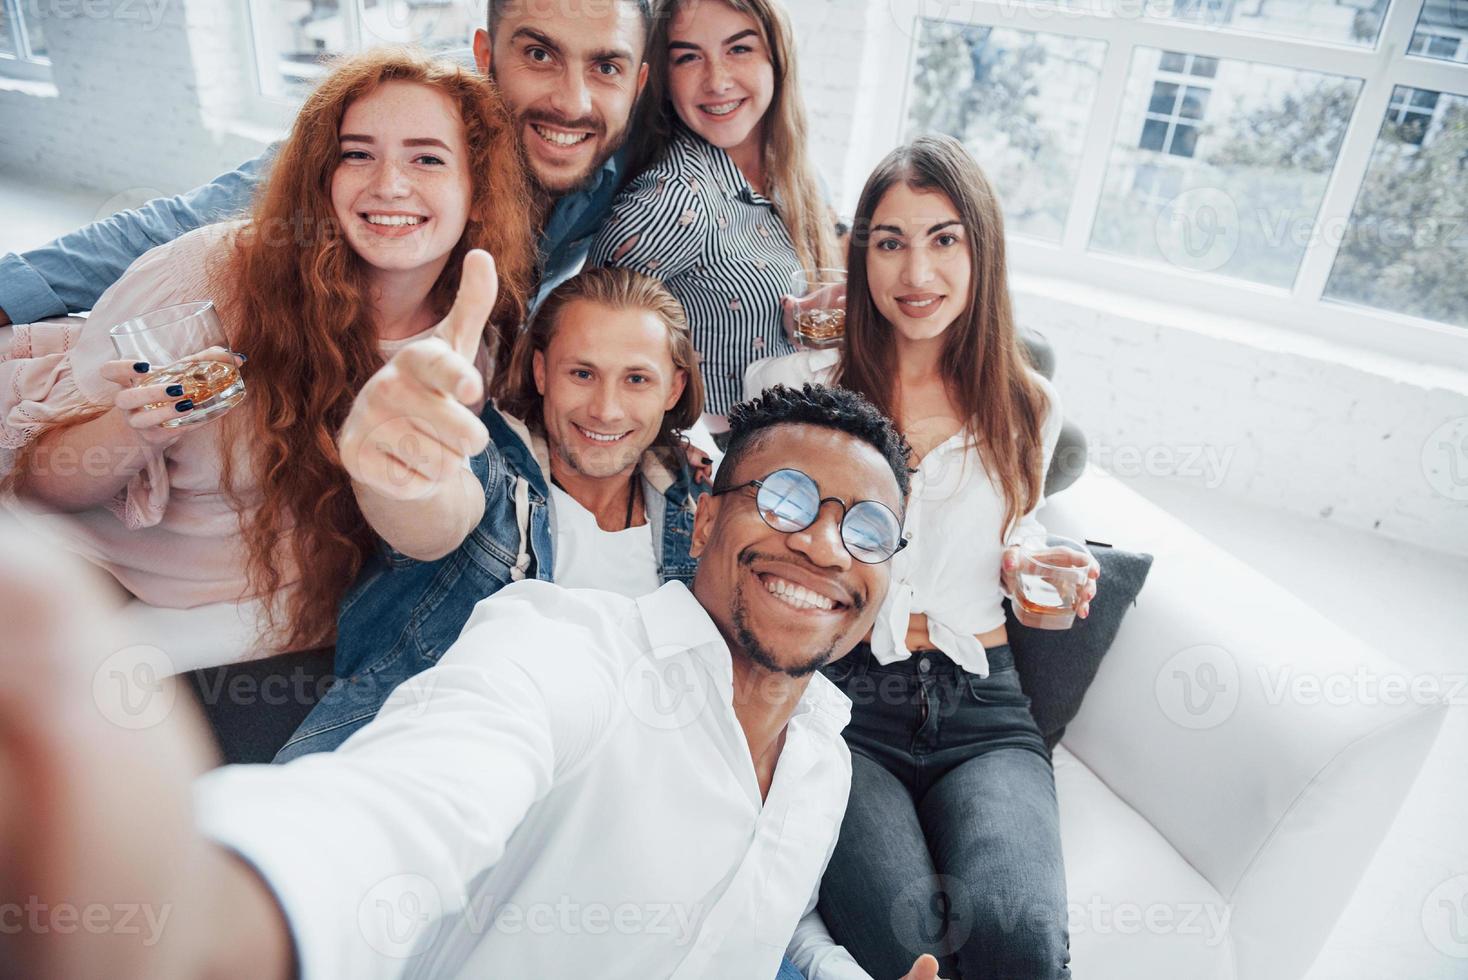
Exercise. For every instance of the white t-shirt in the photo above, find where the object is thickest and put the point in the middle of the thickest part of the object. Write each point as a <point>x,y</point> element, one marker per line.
<point>589,558</point>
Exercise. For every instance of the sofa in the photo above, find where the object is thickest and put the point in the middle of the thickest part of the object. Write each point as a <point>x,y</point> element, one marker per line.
<point>1233,768</point>
<point>1217,809</point>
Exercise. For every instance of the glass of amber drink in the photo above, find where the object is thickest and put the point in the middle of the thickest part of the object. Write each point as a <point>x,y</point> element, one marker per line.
<point>1052,569</point>
<point>185,345</point>
<point>820,309</point>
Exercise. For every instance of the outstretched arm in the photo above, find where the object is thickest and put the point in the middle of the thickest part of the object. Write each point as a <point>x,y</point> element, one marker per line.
<point>408,433</point>
<point>96,754</point>
<point>70,273</point>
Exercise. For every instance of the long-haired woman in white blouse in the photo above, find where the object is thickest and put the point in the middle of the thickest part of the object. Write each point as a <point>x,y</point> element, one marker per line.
<point>723,204</point>
<point>951,840</point>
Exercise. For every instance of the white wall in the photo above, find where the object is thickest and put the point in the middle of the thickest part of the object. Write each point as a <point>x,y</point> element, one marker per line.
<point>140,89</point>
<point>1286,421</point>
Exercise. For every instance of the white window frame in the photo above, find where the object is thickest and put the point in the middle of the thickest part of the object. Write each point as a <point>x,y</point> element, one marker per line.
<point>1300,307</point>
<point>24,64</point>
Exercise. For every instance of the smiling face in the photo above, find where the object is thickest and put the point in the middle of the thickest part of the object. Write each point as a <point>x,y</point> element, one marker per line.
<point>793,602</point>
<point>401,190</point>
<point>720,76</point>
<point>570,76</point>
<point>919,269</point>
<point>606,379</point>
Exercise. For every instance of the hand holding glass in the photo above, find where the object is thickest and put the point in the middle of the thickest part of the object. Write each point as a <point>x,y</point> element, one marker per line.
<point>184,346</point>
<point>815,312</point>
<point>1050,577</point>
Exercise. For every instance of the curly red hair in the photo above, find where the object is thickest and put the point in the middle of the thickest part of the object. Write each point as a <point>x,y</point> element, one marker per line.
<point>298,297</point>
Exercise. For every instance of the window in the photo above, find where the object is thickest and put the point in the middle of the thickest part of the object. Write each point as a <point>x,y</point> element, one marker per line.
<point>294,38</point>
<point>1302,163</point>
<point>1441,31</point>
<point>1256,164</point>
<point>1406,247</point>
<point>1175,110</point>
<point>1020,102</point>
<point>23,49</point>
<point>1411,110</point>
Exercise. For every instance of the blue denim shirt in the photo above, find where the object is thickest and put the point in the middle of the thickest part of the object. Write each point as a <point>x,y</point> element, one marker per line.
<point>69,274</point>
<point>403,614</point>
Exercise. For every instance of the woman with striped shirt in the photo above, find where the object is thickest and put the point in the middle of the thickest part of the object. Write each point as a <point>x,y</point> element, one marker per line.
<point>724,206</point>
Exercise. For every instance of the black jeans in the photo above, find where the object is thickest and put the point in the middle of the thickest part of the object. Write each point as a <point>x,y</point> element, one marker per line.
<point>951,840</point>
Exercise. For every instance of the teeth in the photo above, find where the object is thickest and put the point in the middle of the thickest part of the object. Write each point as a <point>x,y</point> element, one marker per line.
<point>797,595</point>
<point>560,139</point>
<point>393,219</point>
<point>920,303</point>
<point>723,109</point>
<point>600,437</point>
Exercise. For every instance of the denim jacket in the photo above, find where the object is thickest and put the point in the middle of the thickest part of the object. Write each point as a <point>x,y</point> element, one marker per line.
<point>403,614</point>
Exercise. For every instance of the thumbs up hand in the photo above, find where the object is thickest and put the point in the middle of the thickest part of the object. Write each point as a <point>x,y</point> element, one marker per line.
<point>925,967</point>
<point>409,430</point>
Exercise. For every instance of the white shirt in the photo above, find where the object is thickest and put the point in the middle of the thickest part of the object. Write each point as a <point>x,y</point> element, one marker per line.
<point>589,558</point>
<point>949,571</point>
<point>567,793</point>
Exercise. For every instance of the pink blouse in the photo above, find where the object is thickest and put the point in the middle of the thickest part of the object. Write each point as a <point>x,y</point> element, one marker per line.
<point>171,537</point>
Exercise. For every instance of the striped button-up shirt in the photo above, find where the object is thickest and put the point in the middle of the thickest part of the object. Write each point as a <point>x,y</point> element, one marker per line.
<point>693,221</point>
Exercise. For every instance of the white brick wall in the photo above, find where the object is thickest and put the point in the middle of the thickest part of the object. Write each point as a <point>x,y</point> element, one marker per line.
<point>143,87</point>
<point>1279,420</point>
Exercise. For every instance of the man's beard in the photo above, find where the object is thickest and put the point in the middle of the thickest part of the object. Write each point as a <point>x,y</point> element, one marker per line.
<point>749,646</point>
<point>620,460</point>
<point>593,124</point>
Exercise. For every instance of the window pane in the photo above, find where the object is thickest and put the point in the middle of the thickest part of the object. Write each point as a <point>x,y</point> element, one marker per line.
<point>1349,22</point>
<point>1442,31</point>
<point>294,37</point>
<point>1406,246</point>
<point>1234,184</point>
<point>35,29</point>
<point>1020,102</point>
<point>439,25</point>
<point>7,42</point>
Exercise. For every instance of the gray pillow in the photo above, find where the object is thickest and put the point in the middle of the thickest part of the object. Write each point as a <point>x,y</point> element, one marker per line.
<point>1057,666</point>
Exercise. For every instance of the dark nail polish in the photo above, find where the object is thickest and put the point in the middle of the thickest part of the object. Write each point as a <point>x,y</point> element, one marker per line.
<point>173,391</point>
<point>140,366</point>
<point>242,357</point>
<point>184,405</point>
<point>708,461</point>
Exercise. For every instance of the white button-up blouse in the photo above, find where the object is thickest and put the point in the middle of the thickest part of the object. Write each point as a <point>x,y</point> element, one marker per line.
<point>949,571</point>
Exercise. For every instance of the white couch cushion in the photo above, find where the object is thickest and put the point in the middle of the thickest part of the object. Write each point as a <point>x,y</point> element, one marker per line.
<point>1137,909</point>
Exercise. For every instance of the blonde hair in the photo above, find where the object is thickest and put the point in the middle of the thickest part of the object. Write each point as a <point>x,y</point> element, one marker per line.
<point>612,289</point>
<point>789,176</point>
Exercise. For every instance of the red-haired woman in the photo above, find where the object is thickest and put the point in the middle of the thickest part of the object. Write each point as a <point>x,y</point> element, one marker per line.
<point>395,168</point>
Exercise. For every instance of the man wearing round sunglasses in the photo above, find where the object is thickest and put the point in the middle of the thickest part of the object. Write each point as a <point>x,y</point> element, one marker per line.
<point>591,785</point>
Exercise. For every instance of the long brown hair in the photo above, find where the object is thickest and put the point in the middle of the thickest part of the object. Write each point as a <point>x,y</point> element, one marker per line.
<point>613,289</point>
<point>984,366</point>
<point>789,177</point>
<point>298,298</point>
